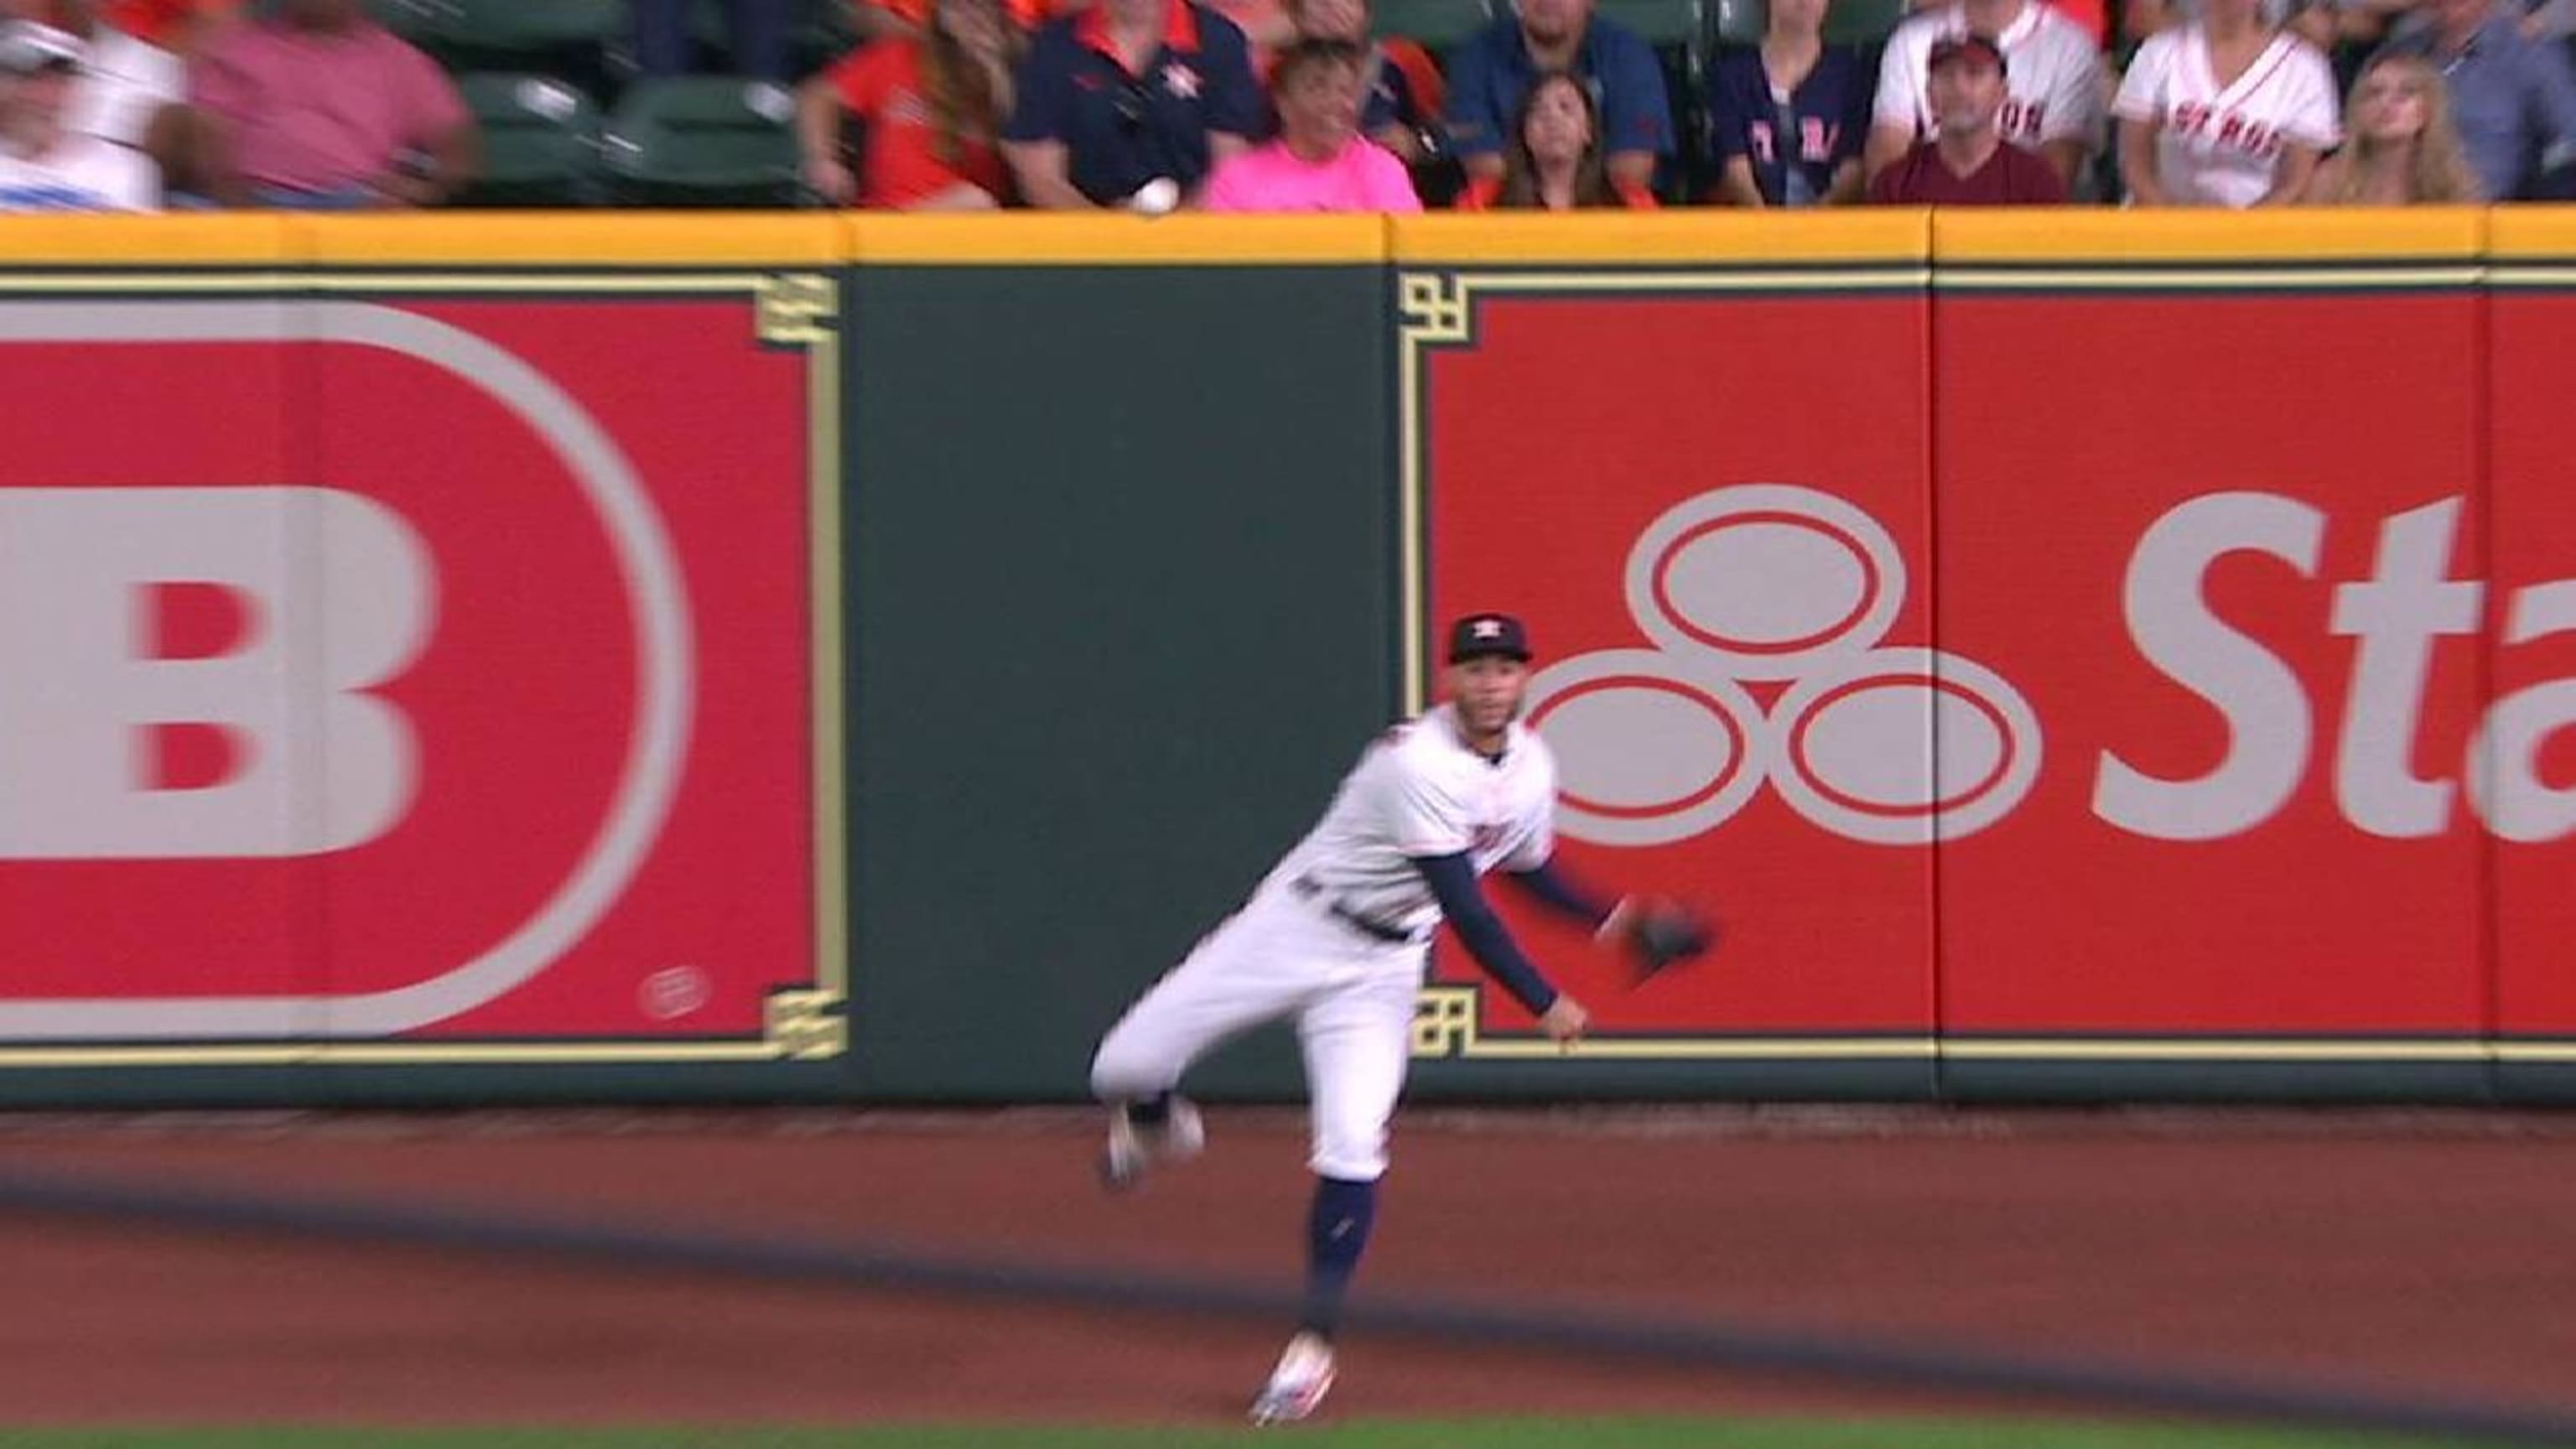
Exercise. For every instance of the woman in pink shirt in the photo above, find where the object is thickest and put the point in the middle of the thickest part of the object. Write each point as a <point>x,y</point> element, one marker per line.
<point>1320,161</point>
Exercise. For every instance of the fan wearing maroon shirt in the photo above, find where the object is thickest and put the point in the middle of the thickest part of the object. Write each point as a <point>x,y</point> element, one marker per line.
<point>1967,162</point>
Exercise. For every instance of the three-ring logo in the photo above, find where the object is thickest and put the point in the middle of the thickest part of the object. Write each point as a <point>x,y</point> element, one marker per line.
<point>1774,584</point>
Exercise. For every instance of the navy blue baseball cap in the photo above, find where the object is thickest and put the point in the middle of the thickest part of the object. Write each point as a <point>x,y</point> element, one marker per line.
<point>1487,636</point>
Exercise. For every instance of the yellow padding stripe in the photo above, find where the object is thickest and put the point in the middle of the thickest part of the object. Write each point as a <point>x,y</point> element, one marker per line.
<point>208,239</point>
<point>1619,238</point>
<point>1027,239</point>
<point>2532,233</point>
<point>1967,235</point>
<point>578,238</point>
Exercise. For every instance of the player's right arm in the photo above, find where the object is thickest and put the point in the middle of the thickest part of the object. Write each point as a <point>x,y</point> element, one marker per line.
<point>1435,831</point>
<point>1452,879</point>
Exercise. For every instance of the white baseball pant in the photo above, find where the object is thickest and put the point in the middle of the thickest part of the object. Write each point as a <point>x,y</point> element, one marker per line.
<point>1284,956</point>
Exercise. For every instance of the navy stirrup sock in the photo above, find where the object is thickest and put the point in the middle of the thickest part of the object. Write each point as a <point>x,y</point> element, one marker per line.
<point>1337,1233</point>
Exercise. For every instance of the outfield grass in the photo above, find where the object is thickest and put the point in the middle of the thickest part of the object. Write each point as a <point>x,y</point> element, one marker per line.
<point>1360,1434</point>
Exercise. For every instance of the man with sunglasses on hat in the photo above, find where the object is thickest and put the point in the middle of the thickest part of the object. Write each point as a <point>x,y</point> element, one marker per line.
<point>1967,161</point>
<point>1130,103</point>
<point>1335,939</point>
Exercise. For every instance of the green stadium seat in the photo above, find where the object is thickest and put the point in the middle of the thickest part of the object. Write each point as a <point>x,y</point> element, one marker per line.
<point>414,20</point>
<point>1864,23</point>
<point>1740,22</point>
<point>702,141</point>
<point>1436,25</point>
<point>504,34</point>
<point>1665,24</point>
<point>540,141</point>
<point>822,32</point>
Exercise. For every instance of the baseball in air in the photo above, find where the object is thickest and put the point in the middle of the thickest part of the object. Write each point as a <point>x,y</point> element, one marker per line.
<point>1155,197</point>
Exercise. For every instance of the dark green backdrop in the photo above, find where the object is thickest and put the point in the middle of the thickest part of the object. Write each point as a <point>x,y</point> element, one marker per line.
<point>1121,613</point>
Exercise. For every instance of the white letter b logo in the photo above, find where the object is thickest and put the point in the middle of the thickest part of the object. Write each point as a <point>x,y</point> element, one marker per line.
<point>335,596</point>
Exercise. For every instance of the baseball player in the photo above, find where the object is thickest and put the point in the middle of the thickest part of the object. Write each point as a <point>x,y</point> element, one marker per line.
<point>1335,937</point>
<point>2052,82</point>
<point>2189,139</point>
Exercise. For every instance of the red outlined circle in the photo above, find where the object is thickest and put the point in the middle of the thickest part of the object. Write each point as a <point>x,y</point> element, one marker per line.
<point>1871,583</point>
<point>1796,754</point>
<point>1738,745</point>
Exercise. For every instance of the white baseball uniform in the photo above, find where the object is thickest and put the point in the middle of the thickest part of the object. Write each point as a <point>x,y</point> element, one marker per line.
<point>81,173</point>
<point>123,85</point>
<point>1336,934</point>
<point>2052,76</point>
<point>2220,145</point>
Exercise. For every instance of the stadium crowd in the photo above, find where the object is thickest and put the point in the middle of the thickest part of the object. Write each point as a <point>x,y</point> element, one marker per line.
<point>1309,105</point>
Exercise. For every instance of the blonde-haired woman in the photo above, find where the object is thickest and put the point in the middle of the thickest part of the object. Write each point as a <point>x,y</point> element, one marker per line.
<point>2402,147</point>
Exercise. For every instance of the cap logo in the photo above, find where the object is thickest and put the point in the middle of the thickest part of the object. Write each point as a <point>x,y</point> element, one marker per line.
<point>1489,628</point>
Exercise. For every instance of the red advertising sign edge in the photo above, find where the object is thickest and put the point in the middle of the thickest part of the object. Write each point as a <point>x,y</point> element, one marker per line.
<point>1437,308</point>
<point>798,309</point>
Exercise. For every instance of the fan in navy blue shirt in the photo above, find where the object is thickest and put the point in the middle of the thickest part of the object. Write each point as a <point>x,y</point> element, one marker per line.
<point>1791,117</point>
<point>1130,92</point>
<point>1490,74</point>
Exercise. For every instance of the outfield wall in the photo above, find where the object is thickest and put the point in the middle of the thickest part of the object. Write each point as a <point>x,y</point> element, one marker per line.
<point>797,657</point>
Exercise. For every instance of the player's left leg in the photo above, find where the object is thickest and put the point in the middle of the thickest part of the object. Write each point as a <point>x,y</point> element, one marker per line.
<point>1243,974</point>
<point>1357,1042</point>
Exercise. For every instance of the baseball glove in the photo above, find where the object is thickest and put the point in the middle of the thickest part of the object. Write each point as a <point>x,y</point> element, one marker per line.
<point>1659,934</point>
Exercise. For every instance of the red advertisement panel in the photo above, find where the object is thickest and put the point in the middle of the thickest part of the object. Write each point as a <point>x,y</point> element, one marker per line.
<point>2528,751</point>
<point>476,703</point>
<point>1710,507</point>
<point>134,466</point>
<point>2226,546</point>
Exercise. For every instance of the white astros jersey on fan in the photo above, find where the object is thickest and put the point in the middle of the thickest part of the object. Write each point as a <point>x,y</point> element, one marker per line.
<point>2052,76</point>
<point>2219,145</point>
<point>1420,791</point>
<point>1335,934</point>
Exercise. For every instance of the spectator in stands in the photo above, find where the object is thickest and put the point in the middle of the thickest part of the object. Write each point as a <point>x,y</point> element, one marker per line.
<point>2225,111</point>
<point>933,106</point>
<point>666,46</point>
<point>2514,99</point>
<point>1791,116</point>
<point>1130,103</point>
<point>2055,101</point>
<point>1491,76</point>
<point>2326,24</point>
<point>1400,89</point>
<point>1555,161</point>
<point>1268,26</point>
<point>320,108</point>
<point>1320,161</point>
<point>1967,162</point>
<point>2400,145</point>
<point>2093,15</point>
<point>46,165</point>
<point>877,19</point>
<point>181,27</point>
<point>131,93</point>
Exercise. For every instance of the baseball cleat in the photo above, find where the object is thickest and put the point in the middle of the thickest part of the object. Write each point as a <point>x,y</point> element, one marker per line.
<point>1298,1385</point>
<point>1134,1146</point>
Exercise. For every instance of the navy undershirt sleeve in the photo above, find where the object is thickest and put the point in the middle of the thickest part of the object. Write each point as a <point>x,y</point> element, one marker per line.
<point>1453,883</point>
<point>1554,889</point>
